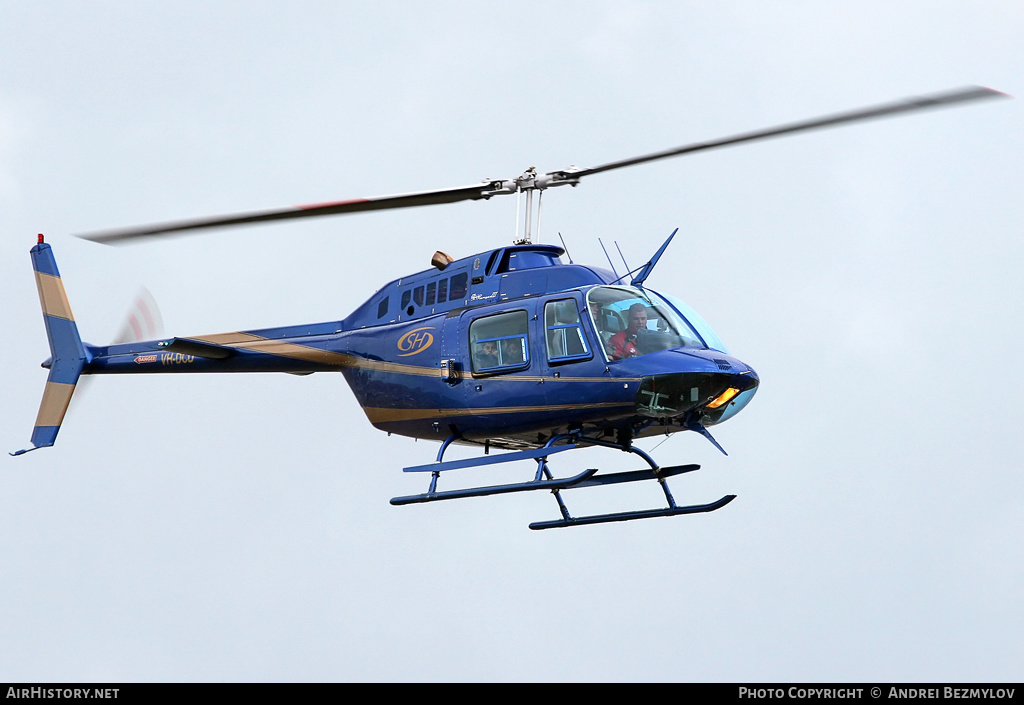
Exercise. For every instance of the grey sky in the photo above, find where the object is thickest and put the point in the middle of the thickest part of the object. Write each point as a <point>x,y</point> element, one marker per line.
<point>238,527</point>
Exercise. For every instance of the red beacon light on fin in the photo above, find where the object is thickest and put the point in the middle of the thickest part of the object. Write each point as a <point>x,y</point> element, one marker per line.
<point>40,238</point>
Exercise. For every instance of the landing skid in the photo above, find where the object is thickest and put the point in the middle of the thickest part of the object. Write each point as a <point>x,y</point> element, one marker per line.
<point>543,480</point>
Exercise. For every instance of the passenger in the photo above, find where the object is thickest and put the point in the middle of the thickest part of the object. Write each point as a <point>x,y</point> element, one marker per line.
<point>600,318</point>
<point>487,355</point>
<point>623,343</point>
<point>512,351</point>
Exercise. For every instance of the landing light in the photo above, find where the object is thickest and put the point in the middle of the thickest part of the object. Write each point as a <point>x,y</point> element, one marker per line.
<point>724,398</point>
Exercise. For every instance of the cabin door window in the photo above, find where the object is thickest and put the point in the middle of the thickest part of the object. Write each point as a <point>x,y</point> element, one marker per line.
<point>563,332</point>
<point>500,343</point>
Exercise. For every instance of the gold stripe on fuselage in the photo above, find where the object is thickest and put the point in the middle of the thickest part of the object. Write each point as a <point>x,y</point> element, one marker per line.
<point>548,379</point>
<point>280,348</point>
<point>395,367</point>
<point>307,353</point>
<point>382,415</point>
<point>248,341</point>
<point>52,297</point>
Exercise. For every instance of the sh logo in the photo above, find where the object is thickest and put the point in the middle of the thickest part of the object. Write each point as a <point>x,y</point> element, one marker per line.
<point>415,341</point>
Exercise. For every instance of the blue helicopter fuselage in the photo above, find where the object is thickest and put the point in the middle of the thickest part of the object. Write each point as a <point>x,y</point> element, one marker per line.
<point>415,354</point>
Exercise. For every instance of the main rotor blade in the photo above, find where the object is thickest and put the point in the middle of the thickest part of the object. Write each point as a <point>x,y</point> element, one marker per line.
<point>404,200</point>
<point>530,180</point>
<point>907,105</point>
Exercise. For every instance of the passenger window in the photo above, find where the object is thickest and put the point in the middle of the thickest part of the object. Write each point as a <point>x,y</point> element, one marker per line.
<point>500,343</point>
<point>458,288</point>
<point>417,295</point>
<point>565,338</point>
<point>442,291</point>
<point>406,297</point>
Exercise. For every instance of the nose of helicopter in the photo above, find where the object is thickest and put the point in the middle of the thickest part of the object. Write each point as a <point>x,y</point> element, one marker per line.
<point>716,387</point>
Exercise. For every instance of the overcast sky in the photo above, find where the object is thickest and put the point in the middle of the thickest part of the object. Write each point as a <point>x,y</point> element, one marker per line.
<point>237,527</point>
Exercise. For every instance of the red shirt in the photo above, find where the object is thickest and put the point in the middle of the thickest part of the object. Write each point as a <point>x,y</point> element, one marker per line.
<point>623,345</point>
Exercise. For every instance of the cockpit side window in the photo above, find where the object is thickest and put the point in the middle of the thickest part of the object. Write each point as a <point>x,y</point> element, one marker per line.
<point>500,343</point>
<point>633,322</point>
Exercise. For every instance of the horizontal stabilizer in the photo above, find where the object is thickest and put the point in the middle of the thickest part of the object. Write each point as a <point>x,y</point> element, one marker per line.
<point>56,397</point>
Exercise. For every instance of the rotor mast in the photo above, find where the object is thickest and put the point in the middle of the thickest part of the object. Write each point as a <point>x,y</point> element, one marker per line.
<point>527,183</point>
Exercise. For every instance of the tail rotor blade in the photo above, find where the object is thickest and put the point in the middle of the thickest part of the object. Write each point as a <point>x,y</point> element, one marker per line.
<point>142,322</point>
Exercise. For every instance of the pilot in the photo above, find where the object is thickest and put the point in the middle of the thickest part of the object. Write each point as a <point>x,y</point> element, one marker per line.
<point>623,343</point>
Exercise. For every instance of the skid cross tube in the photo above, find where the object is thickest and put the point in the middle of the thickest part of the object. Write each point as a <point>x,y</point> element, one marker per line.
<point>655,473</point>
<point>544,480</point>
<point>551,484</point>
<point>538,454</point>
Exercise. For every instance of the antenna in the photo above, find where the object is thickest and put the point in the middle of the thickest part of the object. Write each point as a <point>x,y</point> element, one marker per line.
<point>626,264</point>
<point>617,277</point>
<point>565,247</point>
<point>645,271</point>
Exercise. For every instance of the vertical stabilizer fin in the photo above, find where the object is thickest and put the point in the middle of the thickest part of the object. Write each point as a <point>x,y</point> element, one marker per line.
<point>67,354</point>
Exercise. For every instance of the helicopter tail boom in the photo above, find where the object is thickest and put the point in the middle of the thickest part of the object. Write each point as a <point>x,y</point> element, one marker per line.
<point>67,353</point>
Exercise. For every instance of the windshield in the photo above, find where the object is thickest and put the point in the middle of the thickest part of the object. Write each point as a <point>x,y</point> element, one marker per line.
<point>709,336</point>
<point>632,322</point>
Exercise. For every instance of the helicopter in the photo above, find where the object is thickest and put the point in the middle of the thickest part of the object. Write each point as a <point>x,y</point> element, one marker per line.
<point>510,349</point>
